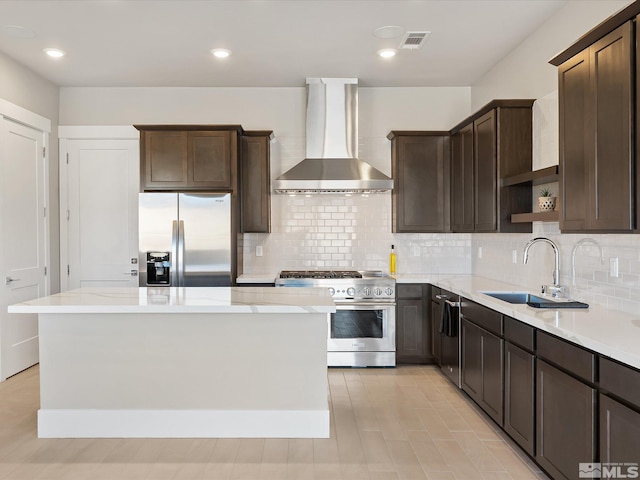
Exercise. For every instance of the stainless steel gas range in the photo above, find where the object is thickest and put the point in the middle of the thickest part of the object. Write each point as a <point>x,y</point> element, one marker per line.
<point>362,332</point>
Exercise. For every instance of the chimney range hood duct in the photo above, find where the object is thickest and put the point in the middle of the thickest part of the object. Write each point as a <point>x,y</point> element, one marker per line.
<point>331,164</point>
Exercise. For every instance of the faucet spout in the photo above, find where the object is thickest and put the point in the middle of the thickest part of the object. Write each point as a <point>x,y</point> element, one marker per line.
<point>556,252</point>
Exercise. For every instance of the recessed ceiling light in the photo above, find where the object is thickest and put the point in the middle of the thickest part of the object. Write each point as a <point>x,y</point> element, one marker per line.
<point>389,31</point>
<point>54,52</point>
<point>387,52</point>
<point>220,52</point>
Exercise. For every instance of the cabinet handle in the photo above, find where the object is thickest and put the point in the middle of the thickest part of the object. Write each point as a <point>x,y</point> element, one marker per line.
<point>441,297</point>
<point>453,304</point>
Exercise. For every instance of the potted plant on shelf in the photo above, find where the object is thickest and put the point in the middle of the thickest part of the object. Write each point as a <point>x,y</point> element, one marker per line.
<point>546,200</point>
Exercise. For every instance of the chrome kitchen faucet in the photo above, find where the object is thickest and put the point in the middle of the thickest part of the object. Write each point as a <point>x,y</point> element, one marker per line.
<point>555,290</point>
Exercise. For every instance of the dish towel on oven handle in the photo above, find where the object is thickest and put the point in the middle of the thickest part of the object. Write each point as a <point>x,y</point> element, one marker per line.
<point>448,320</point>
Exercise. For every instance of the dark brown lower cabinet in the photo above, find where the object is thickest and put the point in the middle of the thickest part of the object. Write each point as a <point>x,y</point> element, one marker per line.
<point>482,368</point>
<point>619,432</point>
<point>566,413</point>
<point>413,328</point>
<point>436,336</point>
<point>519,396</point>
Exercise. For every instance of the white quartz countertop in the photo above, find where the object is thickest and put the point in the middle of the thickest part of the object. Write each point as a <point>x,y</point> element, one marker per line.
<point>182,300</point>
<point>612,333</point>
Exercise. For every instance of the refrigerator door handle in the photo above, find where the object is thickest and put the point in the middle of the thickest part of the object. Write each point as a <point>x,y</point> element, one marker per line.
<point>181,263</point>
<point>174,254</point>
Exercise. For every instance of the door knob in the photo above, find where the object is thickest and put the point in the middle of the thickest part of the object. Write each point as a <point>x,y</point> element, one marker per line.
<point>8,280</point>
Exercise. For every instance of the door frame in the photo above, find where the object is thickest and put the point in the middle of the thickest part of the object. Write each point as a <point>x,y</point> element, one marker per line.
<point>15,113</point>
<point>80,132</point>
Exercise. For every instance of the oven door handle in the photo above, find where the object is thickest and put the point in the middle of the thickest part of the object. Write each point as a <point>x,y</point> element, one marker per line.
<point>364,306</point>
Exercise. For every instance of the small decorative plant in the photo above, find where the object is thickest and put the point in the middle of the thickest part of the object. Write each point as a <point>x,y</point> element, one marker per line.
<point>546,192</point>
<point>546,201</point>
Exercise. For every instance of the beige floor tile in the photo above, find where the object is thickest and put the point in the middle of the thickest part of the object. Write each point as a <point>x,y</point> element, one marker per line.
<point>376,451</point>
<point>273,471</point>
<point>386,424</point>
<point>245,471</point>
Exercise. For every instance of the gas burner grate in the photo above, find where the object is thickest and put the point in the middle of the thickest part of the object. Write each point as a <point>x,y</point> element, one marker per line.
<point>331,274</point>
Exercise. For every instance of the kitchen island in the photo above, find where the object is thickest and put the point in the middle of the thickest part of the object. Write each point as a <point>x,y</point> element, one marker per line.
<point>183,362</point>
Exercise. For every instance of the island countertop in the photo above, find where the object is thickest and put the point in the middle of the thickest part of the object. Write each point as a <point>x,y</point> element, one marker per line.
<point>183,362</point>
<point>182,300</point>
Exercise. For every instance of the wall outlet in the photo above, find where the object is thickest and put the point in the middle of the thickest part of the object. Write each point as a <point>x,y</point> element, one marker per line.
<point>479,252</point>
<point>258,250</point>
<point>514,256</point>
<point>416,251</point>
<point>613,267</point>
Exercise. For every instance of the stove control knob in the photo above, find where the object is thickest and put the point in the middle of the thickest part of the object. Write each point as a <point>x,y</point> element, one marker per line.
<point>377,291</point>
<point>388,291</point>
<point>351,292</point>
<point>332,291</point>
<point>366,291</point>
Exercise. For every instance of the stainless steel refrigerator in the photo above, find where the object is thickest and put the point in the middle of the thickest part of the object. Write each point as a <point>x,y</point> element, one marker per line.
<point>184,239</point>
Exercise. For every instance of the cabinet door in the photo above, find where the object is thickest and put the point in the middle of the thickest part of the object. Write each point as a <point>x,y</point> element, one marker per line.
<point>462,198</point>
<point>471,359</point>
<point>619,432</point>
<point>436,336</point>
<point>519,396</point>
<point>485,172</point>
<point>612,173</point>
<point>209,155</point>
<point>565,410</point>
<point>165,160</point>
<point>421,194</point>
<point>413,333</point>
<point>597,174</point>
<point>482,370</point>
<point>255,185</point>
<point>575,110</point>
<point>492,376</point>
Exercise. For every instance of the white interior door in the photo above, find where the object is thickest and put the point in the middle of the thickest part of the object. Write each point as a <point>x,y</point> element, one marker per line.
<point>102,182</point>
<point>22,174</point>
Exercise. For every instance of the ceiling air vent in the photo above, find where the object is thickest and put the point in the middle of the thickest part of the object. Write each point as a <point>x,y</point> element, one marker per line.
<point>413,40</point>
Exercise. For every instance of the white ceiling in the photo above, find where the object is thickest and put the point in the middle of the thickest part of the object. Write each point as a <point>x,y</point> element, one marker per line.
<point>274,43</point>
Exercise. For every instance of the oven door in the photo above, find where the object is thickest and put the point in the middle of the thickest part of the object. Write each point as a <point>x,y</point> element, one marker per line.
<point>362,335</point>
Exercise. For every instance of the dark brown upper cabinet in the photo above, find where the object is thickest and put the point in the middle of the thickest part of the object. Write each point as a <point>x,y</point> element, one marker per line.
<point>420,165</point>
<point>188,157</point>
<point>462,180</point>
<point>493,144</point>
<point>598,177</point>
<point>485,173</point>
<point>255,184</point>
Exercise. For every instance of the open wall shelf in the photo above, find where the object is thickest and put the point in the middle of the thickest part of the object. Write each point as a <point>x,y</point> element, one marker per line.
<point>535,177</point>
<point>553,216</point>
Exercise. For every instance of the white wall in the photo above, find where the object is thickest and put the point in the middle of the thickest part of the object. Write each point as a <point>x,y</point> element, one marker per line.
<point>525,72</point>
<point>22,87</point>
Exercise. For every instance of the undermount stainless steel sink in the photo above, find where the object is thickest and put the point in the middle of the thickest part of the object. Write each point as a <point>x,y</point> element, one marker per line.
<point>534,300</point>
<point>517,297</point>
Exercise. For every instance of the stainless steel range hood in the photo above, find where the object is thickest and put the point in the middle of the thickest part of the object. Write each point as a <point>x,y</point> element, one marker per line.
<point>331,164</point>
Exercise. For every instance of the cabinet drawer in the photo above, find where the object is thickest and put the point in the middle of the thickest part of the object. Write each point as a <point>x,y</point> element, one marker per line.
<point>571,358</point>
<point>486,318</point>
<point>620,380</point>
<point>409,290</point>
<point>520,333</point>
